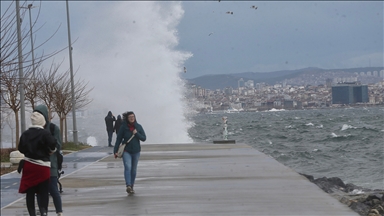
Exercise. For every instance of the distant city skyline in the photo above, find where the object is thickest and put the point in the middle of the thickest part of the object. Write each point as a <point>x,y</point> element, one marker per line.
<point>303,77</point>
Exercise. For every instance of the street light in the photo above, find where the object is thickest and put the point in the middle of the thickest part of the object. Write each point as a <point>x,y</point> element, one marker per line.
<point>21,73</point>
<point>32,49</point>
<point>72,82</point>
<point>30,27</point>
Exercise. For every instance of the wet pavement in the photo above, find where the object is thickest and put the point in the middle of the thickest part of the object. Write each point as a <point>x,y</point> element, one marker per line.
<point>74,161</point>
<point>187,179</point>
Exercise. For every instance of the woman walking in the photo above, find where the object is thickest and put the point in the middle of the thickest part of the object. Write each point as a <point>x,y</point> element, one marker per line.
<point>131,154</point>
<point>37,145</point>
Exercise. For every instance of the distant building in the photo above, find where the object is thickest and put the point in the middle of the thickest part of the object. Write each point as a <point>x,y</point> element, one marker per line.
<point>249,84</point>
<point>240,83</point>
<point>228,91</point>
<point>288,104</point>
<point>349,93</point>
<point>328,82</point>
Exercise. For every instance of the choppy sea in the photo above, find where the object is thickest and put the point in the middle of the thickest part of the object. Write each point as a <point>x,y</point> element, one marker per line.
<point>347,143</point>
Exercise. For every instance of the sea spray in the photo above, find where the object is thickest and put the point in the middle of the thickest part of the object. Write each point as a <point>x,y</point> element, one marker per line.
<point>126,51</point>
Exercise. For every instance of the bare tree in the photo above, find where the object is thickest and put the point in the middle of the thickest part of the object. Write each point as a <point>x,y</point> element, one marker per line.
<point>10,80</point>
<point>63,100</point>
<point>10,93</point>
<point>49,79</point>
<point>10,122</point>
<point>5,114</point>
<point>33,86</point>
<point>62,95</point>
<point>9,40</point>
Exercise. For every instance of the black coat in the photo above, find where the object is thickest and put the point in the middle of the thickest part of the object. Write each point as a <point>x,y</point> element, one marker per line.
<point>109,119</point>
<point>118,123</point>
<point>37,143</point>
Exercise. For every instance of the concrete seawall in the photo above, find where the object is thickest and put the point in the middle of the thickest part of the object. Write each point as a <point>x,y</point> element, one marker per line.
<point>192,179</point>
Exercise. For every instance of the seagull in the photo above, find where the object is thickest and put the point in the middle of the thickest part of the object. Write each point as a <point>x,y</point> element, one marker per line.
<point>254,7</point>
<point>229,12</point>
<point>185,70</point>
<point>210,34</point>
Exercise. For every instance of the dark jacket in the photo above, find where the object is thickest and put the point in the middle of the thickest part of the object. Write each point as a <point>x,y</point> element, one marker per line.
<point>118,123</point>
<point>124,134</point>
<point>109,119</point>
<point>37,143</point>
<point>44,111</point>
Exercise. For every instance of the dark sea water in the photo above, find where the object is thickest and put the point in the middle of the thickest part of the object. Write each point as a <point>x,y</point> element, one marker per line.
<point>346,143</point>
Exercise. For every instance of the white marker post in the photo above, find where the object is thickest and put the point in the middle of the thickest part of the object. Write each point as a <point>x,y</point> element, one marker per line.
<point>225,131</point>
<point>225,134</point>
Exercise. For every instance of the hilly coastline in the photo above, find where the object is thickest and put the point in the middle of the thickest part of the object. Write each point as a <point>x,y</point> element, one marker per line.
<point>308,76</point>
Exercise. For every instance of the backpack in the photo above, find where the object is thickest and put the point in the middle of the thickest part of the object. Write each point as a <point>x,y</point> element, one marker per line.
<point>59,155</point>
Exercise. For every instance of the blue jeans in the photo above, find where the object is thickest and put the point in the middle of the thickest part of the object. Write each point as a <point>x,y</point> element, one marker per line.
<point>130,167</point>
<point>110,133</point>
<point>54,191</point>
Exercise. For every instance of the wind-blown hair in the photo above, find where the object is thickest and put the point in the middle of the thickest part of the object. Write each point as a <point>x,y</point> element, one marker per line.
<point>126,114</point>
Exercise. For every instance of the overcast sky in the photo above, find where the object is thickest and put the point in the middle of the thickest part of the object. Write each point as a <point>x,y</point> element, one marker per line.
<point>275,36</point>
<point>281,35</point>
<point>133,53</point>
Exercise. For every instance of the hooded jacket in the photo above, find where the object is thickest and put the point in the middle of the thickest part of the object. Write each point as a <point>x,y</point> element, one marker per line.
<point>118,123</point>
<point>44,111</point>
<point>109,119</point>
<point>124,134</point>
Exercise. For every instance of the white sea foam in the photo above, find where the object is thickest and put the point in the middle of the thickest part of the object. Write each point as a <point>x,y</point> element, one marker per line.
<point>357,191</point>
<point>334,135</point>
<point>346,127</point>
<point>309,124</point>
<point>319,126</point>
<point>275,110</point>
<point>92,141</point>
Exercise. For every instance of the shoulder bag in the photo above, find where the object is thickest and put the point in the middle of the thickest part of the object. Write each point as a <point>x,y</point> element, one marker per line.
<point>122,147</point>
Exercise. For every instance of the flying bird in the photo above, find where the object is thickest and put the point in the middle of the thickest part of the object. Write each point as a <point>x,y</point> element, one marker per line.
<point>254,7</point>
<point>185,70</point>
<point>210,34</point>
<point>229,12</point>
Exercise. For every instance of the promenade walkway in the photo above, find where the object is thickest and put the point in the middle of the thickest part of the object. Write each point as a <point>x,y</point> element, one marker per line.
<point>192,179</point>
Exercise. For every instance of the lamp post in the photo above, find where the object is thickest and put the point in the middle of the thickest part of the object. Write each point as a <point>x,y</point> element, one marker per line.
<point>32,49</point>
<point>21,73</point>
<point>72,82</point>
